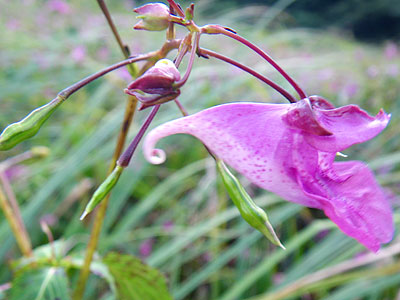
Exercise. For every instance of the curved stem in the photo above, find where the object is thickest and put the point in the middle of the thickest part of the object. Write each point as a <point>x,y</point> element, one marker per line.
<point>181,108</point>
<point>195,45</point>
<point>65,93</point>
<point>125,158</point>
<point>176,7</point>
<point>181,54</point>
<point>272,84</point>
<point>260,52</point>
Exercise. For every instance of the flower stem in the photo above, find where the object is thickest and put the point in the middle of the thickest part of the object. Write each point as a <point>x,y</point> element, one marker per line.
<point>272,84</point>
<point>107,15</point>
<point>176,8</point>
<point>65,93</point>
<point>260,52</point>
<point>124,48</point>
<point>22,241</point>
<point>101,212</point>
<point>195,45</point>
<point>8,191</point>
<point>125,158</point>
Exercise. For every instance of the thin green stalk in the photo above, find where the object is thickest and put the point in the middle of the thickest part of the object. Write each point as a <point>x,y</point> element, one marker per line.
<point>9,193</point>
<point>23,244</point>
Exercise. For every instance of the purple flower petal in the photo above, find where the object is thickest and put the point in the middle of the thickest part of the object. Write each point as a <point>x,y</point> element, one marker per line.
<point>289,149</point>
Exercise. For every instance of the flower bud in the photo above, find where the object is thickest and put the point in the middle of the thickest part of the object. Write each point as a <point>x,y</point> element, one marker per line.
<point>255,216</point>
<point>156,85</point>
<point>155,17</point>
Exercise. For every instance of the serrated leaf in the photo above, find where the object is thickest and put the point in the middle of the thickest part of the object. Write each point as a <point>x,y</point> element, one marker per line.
<point>135,280</point>
<point>40,284</point>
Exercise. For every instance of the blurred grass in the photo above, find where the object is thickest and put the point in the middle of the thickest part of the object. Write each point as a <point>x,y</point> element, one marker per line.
<point>196,236</point>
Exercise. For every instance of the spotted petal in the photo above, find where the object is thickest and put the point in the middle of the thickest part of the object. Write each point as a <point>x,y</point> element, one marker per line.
<point>286,152</point>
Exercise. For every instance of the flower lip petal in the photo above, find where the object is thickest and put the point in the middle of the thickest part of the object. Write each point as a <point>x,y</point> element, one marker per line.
<point>349,124</point>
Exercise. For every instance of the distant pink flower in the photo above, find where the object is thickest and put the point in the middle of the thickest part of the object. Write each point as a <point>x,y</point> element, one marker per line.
<point>59,6</point>
<point>13,24</point>
<point>146,248</point>
<point>103,53</point>
<point>289,149</point>
<point>16,172</point>
<point>372,71</point>
<point>168,226</point>
<point>78,54</point>
<point>391,50</point>
<point>124,74</point>
<point>351,89</point>
<point>393,71</point>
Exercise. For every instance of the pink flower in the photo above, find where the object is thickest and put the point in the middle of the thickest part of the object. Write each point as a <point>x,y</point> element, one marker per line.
<point>146,248</point>
<point>289,149</point>
<point>59,6</point>
<point>78,54</point>
<point>391,50</point>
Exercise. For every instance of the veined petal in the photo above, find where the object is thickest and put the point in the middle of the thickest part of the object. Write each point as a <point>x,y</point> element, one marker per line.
<point>358,205</point>
<point>347,192</point>
<point>332,129</point>
<point>349,125</point>
<point>244,135</point>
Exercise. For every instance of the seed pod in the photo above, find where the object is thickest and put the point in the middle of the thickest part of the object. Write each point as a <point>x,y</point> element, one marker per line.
<point>17,132</point>
<point>251,213</point>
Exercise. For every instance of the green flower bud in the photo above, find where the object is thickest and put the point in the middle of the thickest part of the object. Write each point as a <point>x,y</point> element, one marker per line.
<point>155,17</point>
<point>251,213</point>
<point>17,132</point>
<point>103,190</point>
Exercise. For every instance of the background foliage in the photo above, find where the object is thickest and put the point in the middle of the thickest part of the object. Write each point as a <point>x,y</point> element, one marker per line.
<point>176,217</point>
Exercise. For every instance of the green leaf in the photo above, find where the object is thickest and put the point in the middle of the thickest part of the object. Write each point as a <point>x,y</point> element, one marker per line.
<point>134,280</point>
<point>251,213</point>
<point>40,284</point>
